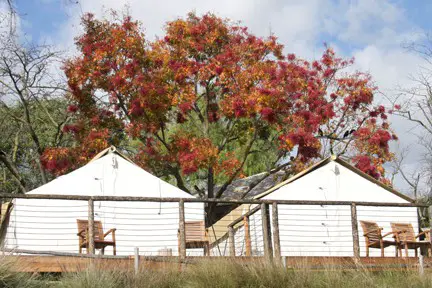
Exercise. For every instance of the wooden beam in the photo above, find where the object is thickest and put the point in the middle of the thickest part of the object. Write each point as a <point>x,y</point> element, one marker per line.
<point>231,243</point>
<point>182,232</point>
<point>268,253</point>
<point>198,200</point>
<point>90,236</point>
<point>250,213</point>
<point>355,234</point>
<point>276,237</point>
<point>248,241</point>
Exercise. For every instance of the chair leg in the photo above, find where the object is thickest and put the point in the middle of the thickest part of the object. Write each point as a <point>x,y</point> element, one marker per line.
<point>382,248</point>
<point>114,250</point>
<point>415,252</point>
<point>406,250</point>
<point>367,251</point>
<point>396,251</point>
<point>103,250</point>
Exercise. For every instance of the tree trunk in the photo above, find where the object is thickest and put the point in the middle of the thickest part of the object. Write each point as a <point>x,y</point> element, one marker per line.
<point>13,170</point>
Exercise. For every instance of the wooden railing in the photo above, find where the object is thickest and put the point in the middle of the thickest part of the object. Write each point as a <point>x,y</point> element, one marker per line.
<point>270,229</point>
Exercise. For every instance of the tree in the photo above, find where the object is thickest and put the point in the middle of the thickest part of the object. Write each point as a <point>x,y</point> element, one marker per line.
<point>415,105</point>
<point>209,96</point>
<point>32,113</point>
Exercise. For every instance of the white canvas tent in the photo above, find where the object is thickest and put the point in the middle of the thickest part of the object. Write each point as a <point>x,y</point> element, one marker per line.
<point>50,225</point>
<point>326,230</point>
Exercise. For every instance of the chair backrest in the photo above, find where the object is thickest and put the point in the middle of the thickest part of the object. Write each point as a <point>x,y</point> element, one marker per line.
<point>407,229</point>
<point>98,230</point>
<point>195,231</point>
<point>371,230</point>
<point>427,234</point>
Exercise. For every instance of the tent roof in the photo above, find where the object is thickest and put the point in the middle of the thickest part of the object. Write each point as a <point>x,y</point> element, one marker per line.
<point>344,164</point>
<point>111,149</point>
<point>111,173</point>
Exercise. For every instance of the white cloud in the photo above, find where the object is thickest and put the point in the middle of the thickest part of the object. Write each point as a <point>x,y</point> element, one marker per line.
<point>370,30</point>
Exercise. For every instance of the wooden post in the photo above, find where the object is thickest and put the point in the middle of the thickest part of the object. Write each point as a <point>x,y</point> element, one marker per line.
<point>430,229</point>
<point>276,238</point>
<point>421,265</point>
<point>354,225</point>
<point>231,240</point>
<point>268,253</point>
<point>91,244</point>
<point>182,232</point>
<point>247,236</point>
<point>136,260</point>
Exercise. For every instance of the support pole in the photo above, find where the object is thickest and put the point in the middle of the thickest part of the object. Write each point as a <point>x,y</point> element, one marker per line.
<point>136,260</point>
<point>182,232</point>
<point>247,236</point>
<point>268,253</point>
<point>91,243</point>
<point>429,252</point>
<point>354,225</point>
<point>421,264</point>
<point>231,240</point>
<point>276,237</point>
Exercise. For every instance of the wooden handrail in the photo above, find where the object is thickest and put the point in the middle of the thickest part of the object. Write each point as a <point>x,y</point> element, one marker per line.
<point>239,219</point>
<point>206,200</point>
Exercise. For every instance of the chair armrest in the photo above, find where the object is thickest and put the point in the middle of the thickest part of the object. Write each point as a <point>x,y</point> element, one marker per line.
<point>374,230</point>
<point>392,232</point>
<point>109,231</point>
<point>422,233</point>
<point>80,233</point>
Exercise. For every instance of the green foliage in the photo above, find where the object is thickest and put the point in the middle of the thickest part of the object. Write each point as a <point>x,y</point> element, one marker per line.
<point>47,118</point>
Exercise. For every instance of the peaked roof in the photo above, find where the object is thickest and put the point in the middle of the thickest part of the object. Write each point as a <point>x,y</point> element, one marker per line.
<point>111,173</point>
<point>342,163</point>
<point>111,149</point>
<point>241,187</point>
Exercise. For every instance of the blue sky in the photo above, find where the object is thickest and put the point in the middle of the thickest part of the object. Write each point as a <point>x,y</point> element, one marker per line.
<point>43,18</point>
<point>372,31</point>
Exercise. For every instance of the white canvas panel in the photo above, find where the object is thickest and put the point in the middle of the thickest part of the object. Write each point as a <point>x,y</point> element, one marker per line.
<point>334,182</point>
<point>50,225</point>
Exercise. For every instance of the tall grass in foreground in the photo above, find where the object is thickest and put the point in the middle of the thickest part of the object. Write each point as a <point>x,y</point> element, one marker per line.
<point>224,273</point>
<point>10,279</point>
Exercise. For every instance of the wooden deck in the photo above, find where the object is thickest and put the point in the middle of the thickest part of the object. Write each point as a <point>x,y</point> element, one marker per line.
<point>35,263</point>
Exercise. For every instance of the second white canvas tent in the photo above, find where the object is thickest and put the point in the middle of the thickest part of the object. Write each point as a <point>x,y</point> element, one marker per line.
<point>326,230</point>
<point>50,225</point>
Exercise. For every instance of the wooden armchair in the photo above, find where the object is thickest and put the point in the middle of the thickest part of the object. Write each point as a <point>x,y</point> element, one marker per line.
<point>196,236</point>
<point>99,236</point>
<point>408,239</point>
<point>375,239</point>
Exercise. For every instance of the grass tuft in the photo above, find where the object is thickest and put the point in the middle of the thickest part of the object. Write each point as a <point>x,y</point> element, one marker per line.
<point>221,274</point>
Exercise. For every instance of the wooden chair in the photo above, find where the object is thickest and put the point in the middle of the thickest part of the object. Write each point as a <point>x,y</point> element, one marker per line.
<point>427,238</point>
<point>196,236</point>
<point>408,239</point>
<point>374,238</point>
<point>99,236</point>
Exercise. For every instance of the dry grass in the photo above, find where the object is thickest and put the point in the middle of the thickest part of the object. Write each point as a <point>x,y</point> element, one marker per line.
<point>10,279</point>
<point>221,274</point>
<point>225,274</point>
